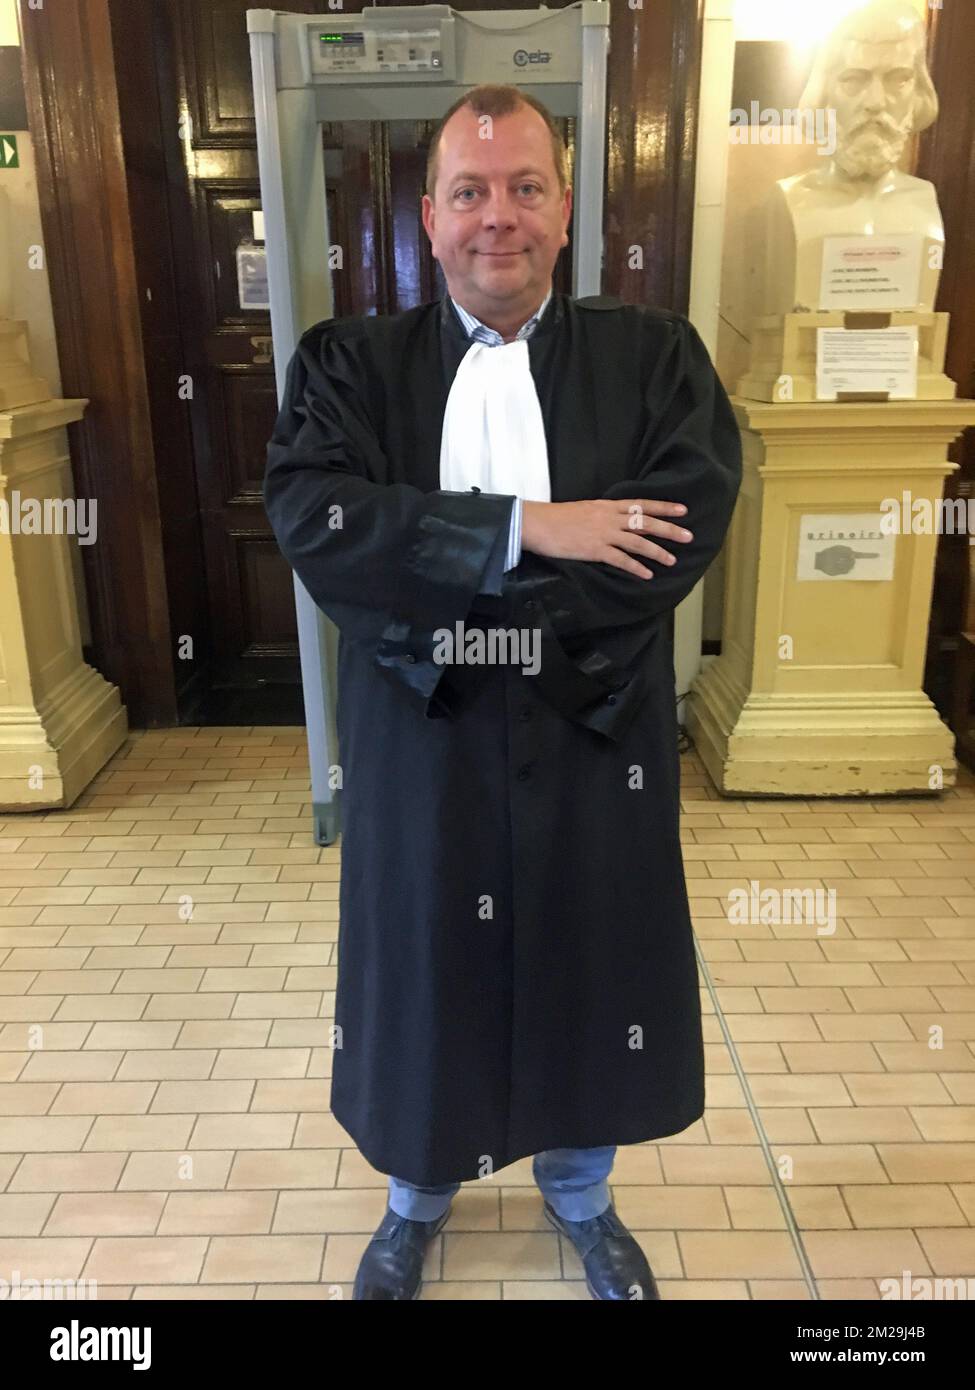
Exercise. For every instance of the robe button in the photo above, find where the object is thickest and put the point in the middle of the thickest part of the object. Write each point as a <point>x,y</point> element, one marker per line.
<point>529,604</point>
<point>524,771</point>
<point>526,713</point>
<point>611,699</point>
<point>409,657</point>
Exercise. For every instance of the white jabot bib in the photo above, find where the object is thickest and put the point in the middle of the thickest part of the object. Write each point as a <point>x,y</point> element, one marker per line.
<point>493,433</point>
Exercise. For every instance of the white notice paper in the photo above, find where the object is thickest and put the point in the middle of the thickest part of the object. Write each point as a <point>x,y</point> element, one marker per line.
<point>866,360</point>
<point>844,545</point>
<point>252,289</point>
<point>871,272</point>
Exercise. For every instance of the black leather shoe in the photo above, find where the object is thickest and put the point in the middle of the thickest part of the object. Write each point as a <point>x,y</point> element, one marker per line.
<point>616,1267</point>
<point>392,1262</point>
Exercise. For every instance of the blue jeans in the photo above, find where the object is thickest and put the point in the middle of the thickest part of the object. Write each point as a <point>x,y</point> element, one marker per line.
<point>573,1182</point>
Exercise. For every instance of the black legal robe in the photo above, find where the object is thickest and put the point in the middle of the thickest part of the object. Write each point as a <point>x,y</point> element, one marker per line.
<point>516,968</point>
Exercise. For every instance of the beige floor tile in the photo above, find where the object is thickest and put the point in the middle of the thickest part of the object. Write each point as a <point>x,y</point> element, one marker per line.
<point>27,1097</point>
<point>927,1162</point>
<point>146,1259</point>
<point>103,1098</point>
<point>250,1035</point>
<point>713,1290</point>
<point>217,1213</point>
<point>863,1290</point>
<point>864,1254</point>
<point>196,1293</point>
<point>829,1163</point>
<point>106,1214</point>
<point>25,1214</point>
<point>480,1208</point>
<point>327,1211</point>
<point>964,1194</point>
<point>738,1255</point>
<point>36,1257</point>
<point>65,1172</point>
<point>297,1005</point>
<point>960,1087</point>
<point>280,1064</point>
<point>175,1170</point>
<point>140,1132</point>
<point>210,955</point>
<point>726,1164</point>
<point>286,1168</point>
<point>809,1089</point>
<point>634,1163</point>
<point>903,1204</point>
<point>157,1065</point>
<point>321,1131</point>
<point>754,1209</point>
<point>951,1253</point>
<point>189,1006</point>
<point>43,1133</point>
<point>85,1065</point>
<point>918,1056</point>
<point>780,1028</point>
<point>822,1057</point>
<point>818,1208</point>
<point>671,1207</point>
<point>180,1097</point>
<point>308,1095</point>
<point>132,1034</point>
<point>865,1027</point>
<point>945,1122</point>
<point>242,1131</point>
<point>863,1124</point>
<point>501,1255</point>
<point>784,1126</point>
<point>898,1089</point>
<point>784,1290</point>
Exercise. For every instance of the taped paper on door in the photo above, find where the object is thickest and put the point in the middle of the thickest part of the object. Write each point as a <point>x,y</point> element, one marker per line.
<point>252,277</point>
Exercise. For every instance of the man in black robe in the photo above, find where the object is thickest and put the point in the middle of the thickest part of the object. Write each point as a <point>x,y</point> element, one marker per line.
<point>516,969</point>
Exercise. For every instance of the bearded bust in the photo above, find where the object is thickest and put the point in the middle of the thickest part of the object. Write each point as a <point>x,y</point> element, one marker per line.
<point>872,72</point>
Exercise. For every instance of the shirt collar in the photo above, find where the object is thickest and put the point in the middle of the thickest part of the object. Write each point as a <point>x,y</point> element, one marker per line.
<point>481,333</point>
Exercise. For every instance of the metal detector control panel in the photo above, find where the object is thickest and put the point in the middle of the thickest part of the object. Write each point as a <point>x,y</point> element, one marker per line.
<point>382,46</point>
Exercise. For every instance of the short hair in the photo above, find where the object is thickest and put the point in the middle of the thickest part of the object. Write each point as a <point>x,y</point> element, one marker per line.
<point>495,99</point>
<point>892,15</point>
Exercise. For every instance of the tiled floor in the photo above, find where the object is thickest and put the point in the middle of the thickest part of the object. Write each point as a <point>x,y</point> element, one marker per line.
<point>166,978</point>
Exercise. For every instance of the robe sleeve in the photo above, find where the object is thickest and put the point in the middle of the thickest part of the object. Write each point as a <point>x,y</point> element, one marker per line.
<point>597,620</point>
<point>493,579</point>
<point>387,562</point>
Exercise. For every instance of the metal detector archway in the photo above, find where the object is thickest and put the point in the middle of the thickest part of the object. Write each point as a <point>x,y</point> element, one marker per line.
<point>406,62</point>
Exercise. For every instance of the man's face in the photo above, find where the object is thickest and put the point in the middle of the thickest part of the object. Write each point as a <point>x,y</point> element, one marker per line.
<point>498,221</point>
<point>873,88</point>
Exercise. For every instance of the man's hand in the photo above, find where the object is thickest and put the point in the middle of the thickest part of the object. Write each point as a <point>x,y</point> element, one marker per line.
<point>602,529</point>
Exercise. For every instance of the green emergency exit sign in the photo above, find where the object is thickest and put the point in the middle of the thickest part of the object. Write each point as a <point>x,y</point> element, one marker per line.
<point>9,159</point>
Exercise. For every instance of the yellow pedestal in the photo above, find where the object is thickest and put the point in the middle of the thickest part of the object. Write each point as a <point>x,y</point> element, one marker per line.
<point>817,691</point>
<point>60,720</point>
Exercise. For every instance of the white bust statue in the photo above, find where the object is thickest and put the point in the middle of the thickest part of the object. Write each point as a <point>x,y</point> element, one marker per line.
<point>872,72</point>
